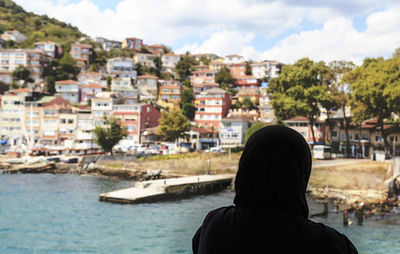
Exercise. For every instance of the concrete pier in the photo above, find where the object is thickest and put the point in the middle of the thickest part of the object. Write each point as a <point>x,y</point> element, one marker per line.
<point>164,189</point>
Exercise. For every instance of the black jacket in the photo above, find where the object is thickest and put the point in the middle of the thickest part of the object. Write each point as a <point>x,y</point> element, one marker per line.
<point>270,214</point>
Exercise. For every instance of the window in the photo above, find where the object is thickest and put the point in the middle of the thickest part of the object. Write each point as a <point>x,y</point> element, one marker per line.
<point>334,133</point>
<point>227,125</point>
<point>70,120</point>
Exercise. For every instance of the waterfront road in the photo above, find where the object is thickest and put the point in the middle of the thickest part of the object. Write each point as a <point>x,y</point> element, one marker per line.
<point>336,162</point>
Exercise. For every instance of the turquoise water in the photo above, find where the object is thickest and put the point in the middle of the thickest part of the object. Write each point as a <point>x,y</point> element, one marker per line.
<point>62,214</point>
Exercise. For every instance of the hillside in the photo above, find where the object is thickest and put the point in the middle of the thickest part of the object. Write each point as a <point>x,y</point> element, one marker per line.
<point>35,27</point>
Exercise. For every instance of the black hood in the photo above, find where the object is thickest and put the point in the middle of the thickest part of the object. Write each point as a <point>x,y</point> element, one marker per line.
<point>274,170</point>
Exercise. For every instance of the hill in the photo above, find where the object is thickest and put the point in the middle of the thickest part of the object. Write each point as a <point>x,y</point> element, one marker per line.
<point>35,27</point>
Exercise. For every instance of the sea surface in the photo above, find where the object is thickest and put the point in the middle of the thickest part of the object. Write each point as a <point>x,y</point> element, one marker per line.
<point>61,214</point>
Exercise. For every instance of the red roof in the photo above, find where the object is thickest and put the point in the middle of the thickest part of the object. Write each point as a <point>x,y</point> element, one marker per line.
<point>92,86</point>
<point>147,76</point>
<point>21,90</point>
<point>298,119</point>
<point>67,82</point>
<point>202,130</point>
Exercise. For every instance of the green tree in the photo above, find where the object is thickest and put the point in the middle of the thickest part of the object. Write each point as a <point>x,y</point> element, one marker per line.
<point>339,94</point>
<point>224,78</point>
<point>22,73</point>
<point>166,49</point>
<point>173,125</point>
<point>248,67</point>
<point>188,110</point>
<point>158,66</point>
<point>109,135</point>
<point>375,87</point>
<point>301,90</point>
<point>247,104</point>
<point>109,82</point>
<point>139,69</point>
<point>50,85</point>
<point>396,53</point>
<point>187,83</point>
<point>183,67</point>
<point>205,60</point>
<point>253,128</point>
<point>187,95</point>
<point>143,49</point>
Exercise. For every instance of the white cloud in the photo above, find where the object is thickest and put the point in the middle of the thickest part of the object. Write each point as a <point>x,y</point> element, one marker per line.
<point>338,40</point>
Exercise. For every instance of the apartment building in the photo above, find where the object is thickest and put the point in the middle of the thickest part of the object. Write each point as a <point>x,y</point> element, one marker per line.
<point>302,125</point>
<point>147,84</point>
<point>232,130</point>
<point>121,67</point>
<point>82,53</point>
<point>145,59</point>
<point>170,91</point>
<point>169,61</point>
<point>92,77</point>
<point>108,45</point>
<point>216,65</point>
<point>211,107</point>
<point>33,59</point>
<point>156,50</point>
<point>13,35</point>
<point>102,106</point>
<point>247,82</point>
<point>238,70</point>
<point>266,69</point>
<point>89,91</point>
<point>50,48</point>
<point>132,43</point>
<point>267,114</point>
<point>233,59</point>
<point>69,90</point>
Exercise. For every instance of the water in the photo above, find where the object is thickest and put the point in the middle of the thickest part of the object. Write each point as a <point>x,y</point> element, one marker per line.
<point>62,214</point>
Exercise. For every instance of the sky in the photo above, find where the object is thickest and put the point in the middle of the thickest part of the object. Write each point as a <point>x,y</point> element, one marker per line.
<point>282,30</point>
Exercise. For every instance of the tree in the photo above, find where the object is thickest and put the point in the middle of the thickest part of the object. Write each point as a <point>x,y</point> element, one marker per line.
<point>339,93</point>
<point>22,73</point>
<point>396,53</point>
<point>187,95</point>
<point>50,85</point>
<point>301,90</point>
<point>166,49</point>
<point>248,68</point>
<point>183,67</point>
<point>173,125</point>
<point>62,69</point>
<point>375,91</point>
<point>158,66</point>
<point>188,110</point>
<point>139,69</point>
<point>109,135</point>
<point>143,49</point>
<point>224,78</point>
<point>247,103</point>
<point>109,82</point>
<point>255,127</point>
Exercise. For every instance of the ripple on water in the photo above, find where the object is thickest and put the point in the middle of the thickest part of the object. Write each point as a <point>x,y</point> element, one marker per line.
<point>62,214</point>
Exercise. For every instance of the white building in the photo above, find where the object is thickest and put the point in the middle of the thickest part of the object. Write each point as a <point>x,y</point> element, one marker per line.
<point>122,67</point>
<point>232,131</point>
<point>169,61</point>
<point>69,90</point>
<point>233,59</point>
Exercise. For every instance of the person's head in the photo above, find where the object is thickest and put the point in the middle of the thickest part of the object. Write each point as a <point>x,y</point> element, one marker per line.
<point>274,170</point>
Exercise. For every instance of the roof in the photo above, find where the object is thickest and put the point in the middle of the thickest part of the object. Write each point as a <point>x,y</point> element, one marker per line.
<point>45,42</point>
<point>243,118</point>
<point>170,54</point>
<point>147,76</point>
<point>214,91</point>
<point>201,130</point>
<point>84,45</point>
<point>297,119</point>
<point>92,86</point>
<point>46,99</point>
<point>67,82</point>
<point>233,56</point>
<point>205,71</point>
<point>21,90</point>
<point>89,73</point>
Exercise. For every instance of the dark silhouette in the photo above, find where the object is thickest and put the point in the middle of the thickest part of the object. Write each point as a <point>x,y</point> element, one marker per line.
<point>270,214</point>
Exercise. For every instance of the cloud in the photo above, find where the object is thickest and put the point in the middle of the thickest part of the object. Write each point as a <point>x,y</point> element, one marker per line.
<point>338,40</point>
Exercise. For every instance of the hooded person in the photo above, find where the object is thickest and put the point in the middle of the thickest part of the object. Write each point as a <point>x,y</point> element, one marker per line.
<point>270,211</point>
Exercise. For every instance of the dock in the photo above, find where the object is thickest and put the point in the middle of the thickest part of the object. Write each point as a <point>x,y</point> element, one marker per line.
<point>166,189</point>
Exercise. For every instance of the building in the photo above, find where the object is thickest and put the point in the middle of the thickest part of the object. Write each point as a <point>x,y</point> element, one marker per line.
<point>89,91</point>
<point>69,90</point>
<point>266,69</point>
<point>198,88</point>
<point>13,35</point>
<point>302,125</point>
<point>156,50</point>
<point>233,59</point>
<point>108,45</point>
<point>82,53</point>
<point>238,70</point>
<point>209,56</point>
<point>33,59</point>
<point>132,44</point>
<point>200,67</point>
<point>83,142</point>
<point>211,107</point>
<point>232,130</point>
<point>102,106</point>
<point>202,77</point>
<point>91,77</point>
<point>247,82</point>
<point>135,118</point>
<point>267,114</point>
<point>145,59</point>
<point>121,67</point>
<point>251,93</point>
<point>200,138</point>
<point>50,48</point>
<point>147,84</point>
<point>217,64</point>
<point>170,91</point>
<point>169,61</point>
